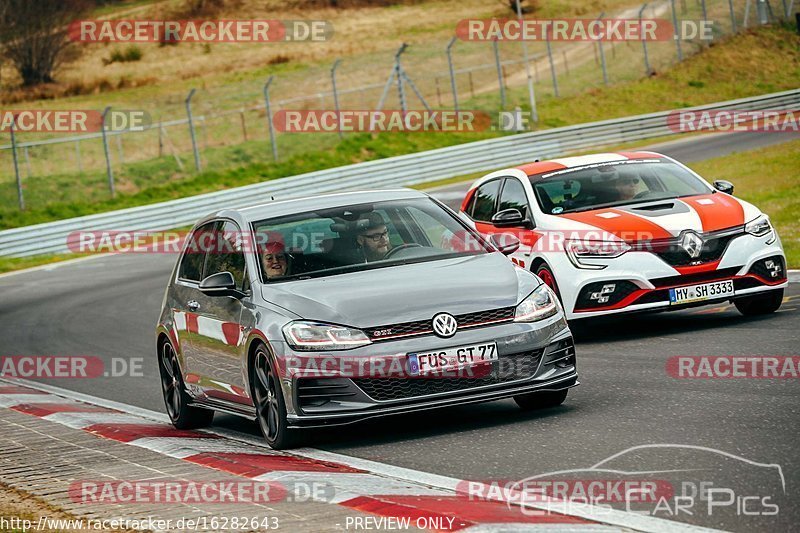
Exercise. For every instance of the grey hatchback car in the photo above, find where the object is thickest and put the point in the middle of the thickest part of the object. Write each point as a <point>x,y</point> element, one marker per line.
<point>337,308</point>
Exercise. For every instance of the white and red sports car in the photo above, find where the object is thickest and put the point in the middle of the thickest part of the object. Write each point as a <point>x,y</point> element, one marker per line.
<point>632,231</point>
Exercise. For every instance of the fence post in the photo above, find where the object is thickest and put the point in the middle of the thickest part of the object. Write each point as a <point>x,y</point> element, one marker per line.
<point>449,50</point>
<point>500,82</point>
<point>20,196</point>
<point>602,53</point>
<point>733,16</point>
<point>188,102</point>
<point>272,139</point>
<point>746,13</point>
<point>336,97</point>
<point>552,63</point>
<point>677,31</point>
<point>705,11</point>
<point>644,42</point>
<point>399,73</point>
<point>531,92</point>
<point>109,170</point>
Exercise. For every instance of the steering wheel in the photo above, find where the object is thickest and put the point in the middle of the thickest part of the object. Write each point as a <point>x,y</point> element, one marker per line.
<point>396,249</point>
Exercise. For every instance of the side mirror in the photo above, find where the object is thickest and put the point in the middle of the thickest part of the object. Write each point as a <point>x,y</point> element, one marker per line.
<point>220,284</point>
<point>724,186</point>
<point>505,243</point>
<point>508,218</point>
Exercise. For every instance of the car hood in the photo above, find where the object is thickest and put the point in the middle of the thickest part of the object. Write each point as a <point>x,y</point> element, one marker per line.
<point>663,219</point>
<point>406,293</point>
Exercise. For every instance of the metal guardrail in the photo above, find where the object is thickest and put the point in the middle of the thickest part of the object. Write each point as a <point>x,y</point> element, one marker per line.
<point>397,171</point>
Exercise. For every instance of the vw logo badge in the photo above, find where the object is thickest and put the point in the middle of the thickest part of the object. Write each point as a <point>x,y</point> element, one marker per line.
<point>444,325</point>
<point>693,244</point>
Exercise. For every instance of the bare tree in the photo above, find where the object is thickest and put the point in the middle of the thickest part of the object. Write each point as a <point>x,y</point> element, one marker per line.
<point>33,35</point>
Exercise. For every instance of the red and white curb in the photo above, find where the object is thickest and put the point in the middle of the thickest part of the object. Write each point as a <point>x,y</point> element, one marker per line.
<point>358,484</point>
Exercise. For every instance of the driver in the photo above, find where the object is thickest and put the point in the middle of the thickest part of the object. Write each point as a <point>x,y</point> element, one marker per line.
<point>373,240</point>
<point>625,186</point>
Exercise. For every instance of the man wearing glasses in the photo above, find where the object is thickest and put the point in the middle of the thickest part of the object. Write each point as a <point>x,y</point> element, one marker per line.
<point>373,240</point>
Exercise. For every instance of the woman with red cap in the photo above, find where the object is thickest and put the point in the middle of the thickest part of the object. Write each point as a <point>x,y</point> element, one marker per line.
<point>274,260</point>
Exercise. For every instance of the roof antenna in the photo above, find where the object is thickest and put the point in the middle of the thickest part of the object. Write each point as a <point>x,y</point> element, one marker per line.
<point>272,198</point>
<point>536,160</point>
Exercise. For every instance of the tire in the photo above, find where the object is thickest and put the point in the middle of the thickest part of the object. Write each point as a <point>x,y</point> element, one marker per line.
<point>270,407</point>
<point>761,304</point>
<point>544,272</point>
<point>176,401</point>
<point>541,400</point>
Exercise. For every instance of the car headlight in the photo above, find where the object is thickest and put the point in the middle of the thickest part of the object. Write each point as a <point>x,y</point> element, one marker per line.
<point>579,251</point>
<point>758,227</point>
<point>540,304</point>
<point>313,336</point>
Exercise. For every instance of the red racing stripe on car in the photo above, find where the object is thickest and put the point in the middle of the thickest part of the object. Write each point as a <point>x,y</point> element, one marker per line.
<point>696,269</point>
<point>716,211</point>
<point>132,432</point>
<point>254,465</point>
<point>624,225</point>
<point>466,512</point>
<point>531,169</point>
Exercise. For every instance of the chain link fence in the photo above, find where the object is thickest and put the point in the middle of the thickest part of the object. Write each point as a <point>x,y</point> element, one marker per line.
<point>219,128</point>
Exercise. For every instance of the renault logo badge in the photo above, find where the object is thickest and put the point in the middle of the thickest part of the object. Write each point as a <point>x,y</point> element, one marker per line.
<point>444,325</point>
<point>693,244</point>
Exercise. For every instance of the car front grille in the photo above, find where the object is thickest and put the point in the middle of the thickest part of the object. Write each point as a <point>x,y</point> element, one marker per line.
<point>506,369</point>
<point>672,253</point>
<point>423,327</point>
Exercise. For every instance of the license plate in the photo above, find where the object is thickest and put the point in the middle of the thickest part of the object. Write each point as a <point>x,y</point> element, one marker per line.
<point>451,358</point>
<point>704,291</point>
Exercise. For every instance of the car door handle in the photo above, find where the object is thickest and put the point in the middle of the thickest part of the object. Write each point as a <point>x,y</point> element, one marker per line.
<point>193,305</point>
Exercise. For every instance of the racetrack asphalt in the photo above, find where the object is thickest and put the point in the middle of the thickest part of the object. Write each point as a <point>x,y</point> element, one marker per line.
<point>108,306</point>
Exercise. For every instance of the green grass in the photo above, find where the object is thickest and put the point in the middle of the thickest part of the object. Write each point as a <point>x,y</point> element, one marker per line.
<point>767,178</point>
<point>748,64</point>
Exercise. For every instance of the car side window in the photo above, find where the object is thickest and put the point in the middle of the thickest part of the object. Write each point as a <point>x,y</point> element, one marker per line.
<point>514,197</point>
<point>194,255</point>
<point>485,201</point>
<point>225,253</point>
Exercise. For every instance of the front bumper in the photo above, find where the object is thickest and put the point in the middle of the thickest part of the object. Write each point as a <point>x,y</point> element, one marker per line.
<point>532,357</point>
<point>644,279</point>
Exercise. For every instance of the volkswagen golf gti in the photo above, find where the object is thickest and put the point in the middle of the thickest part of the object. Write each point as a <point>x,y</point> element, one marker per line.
<point>333,309</point>
<point>632,232</point>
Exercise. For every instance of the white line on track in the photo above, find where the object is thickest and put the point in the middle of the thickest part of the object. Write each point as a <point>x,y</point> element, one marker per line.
<point>600,514</point>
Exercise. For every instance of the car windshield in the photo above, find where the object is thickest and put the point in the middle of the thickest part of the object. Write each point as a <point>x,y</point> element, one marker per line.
<point>613,183</point>
<point>360,237</point>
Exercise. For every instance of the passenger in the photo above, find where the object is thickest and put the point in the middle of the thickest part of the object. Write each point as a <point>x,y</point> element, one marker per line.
<point>274,260</point>
<point>373,240</point>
